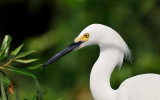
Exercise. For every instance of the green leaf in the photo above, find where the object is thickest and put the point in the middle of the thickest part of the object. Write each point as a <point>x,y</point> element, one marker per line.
<point>23,54</point>
<point>16,51</point>
<point>26,60</point>
<point>2,55</point>
<point>5,47</point>
<point>5,80</point>
<point>21,71</point>
<point>34,67</point>
<point>3,93</point>
<point>6,42</point>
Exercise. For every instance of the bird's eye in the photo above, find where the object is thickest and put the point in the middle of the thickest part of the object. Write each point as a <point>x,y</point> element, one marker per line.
<point>86,35</point>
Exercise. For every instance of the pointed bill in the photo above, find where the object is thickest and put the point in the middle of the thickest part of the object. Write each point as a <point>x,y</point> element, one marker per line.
<point>71,47</point>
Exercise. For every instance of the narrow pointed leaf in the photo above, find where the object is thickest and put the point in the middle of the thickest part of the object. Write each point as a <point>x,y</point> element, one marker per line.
<point>5,44</point>
<point>5,47</point>
<point>5,80</point>
<point>34,67</point>
<point>2,55</point>
<point>23,54</point>
<point>3,93</point>
<point>26,60</point>
<point>21,71</point>
<point>16,51</point>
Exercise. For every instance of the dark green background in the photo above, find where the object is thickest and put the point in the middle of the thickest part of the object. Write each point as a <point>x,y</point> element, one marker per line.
<point>49,25</point>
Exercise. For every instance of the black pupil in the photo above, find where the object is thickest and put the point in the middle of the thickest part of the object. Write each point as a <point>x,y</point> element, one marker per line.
<point>86,35</point>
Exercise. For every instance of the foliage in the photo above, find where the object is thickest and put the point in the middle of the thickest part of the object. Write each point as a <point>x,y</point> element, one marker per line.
<point>15,56</point>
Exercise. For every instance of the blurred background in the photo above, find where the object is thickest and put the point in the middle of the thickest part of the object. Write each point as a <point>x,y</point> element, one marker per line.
<point>48,26</point>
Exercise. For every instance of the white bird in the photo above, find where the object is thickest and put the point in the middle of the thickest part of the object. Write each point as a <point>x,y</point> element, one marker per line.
<point>113,50</point>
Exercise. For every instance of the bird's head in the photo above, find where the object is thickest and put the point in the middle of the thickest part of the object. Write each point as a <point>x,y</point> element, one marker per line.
<point>95,34</point>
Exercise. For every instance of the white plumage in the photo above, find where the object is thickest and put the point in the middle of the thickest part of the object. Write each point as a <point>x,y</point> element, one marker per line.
<point>113,49</point>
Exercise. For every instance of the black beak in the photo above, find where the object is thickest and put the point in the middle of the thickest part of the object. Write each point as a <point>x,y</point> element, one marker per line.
<point>65,51</point>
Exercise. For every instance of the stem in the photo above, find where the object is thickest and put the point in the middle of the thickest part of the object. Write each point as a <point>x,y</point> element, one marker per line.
<point>2,67</point>
<point>7,64</point>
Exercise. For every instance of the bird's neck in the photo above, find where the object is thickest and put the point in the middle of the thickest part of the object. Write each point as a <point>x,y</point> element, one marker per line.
<point>101,73</point>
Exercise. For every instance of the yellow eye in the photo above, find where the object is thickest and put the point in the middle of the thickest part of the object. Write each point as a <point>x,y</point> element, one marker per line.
<point>86,35</point>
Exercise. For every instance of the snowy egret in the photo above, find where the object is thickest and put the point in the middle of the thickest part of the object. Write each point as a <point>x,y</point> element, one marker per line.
<point>113,50</point>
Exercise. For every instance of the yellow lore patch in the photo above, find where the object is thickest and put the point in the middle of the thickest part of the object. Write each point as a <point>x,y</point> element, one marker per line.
<point>83,38</point>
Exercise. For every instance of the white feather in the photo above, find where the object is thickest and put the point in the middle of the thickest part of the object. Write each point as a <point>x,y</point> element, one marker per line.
<point>113,50</point>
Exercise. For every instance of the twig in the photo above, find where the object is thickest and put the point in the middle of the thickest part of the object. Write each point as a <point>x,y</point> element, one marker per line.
<point>10,61</point>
